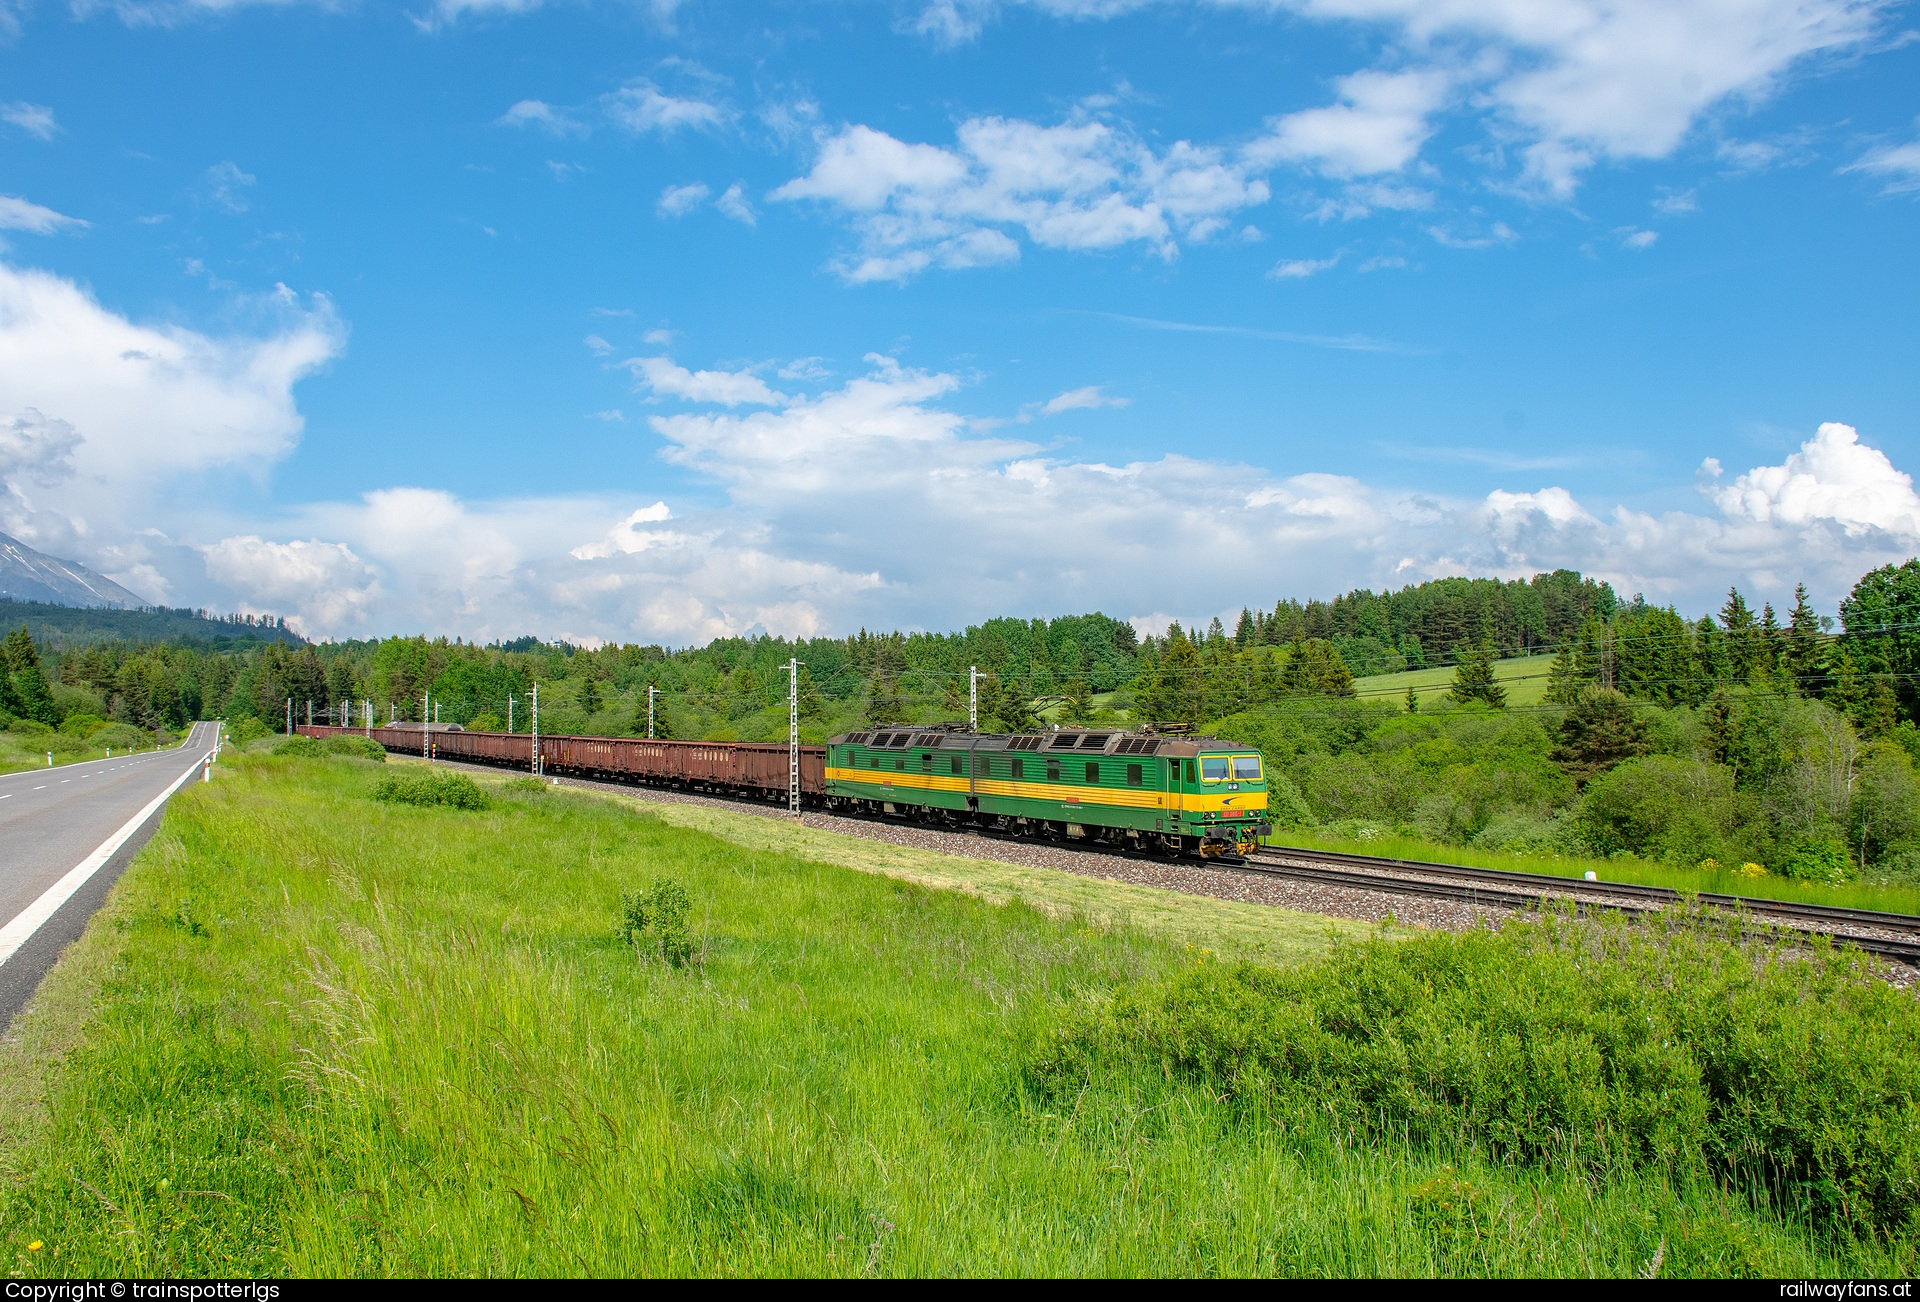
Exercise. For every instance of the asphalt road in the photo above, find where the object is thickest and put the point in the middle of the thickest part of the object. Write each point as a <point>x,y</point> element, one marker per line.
<point>51,822</point>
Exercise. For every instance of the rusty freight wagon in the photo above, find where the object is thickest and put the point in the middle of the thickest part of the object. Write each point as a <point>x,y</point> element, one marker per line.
<point>735,768</point>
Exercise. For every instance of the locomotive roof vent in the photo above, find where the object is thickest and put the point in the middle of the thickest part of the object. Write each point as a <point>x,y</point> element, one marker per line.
<point>1064,741</point>
<point>1095,741</point>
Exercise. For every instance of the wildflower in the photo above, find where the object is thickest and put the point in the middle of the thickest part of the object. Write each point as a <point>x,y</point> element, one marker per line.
<point>34,1246</point>
<point>1752,870</point>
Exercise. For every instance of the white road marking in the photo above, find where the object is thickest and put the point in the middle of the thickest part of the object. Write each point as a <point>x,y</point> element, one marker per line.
<point>41,787</point>
<point>34,916</point>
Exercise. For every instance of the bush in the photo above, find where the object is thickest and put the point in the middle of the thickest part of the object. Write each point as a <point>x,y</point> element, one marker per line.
<point>1661,807</point>
<point>1678,1044</point>
<point>300,748</point>
<point>661,911</point>
<point>122,737</point>
<point>525,786</point>
<point>82,725</point>
<point>246,729</point>
<point>486,722</point>
<point>454,790</point>
<point>1819,859</point>
<point>28,728</point>
<point>1286,807</point>
<point>359,747</point>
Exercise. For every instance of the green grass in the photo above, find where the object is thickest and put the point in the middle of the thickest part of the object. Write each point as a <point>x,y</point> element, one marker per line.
<point>316,1034</point>
<point>19,752</point>
<point>1725,881</point>
<point>1524,677</point>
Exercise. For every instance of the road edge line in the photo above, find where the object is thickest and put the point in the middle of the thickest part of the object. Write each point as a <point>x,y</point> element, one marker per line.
<point>30,919</point>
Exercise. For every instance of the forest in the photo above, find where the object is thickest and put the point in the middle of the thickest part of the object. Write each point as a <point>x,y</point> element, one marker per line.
<point>1738,737</point>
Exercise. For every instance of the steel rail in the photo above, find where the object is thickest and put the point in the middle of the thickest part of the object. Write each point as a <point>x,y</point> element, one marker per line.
<point>1501,889</point>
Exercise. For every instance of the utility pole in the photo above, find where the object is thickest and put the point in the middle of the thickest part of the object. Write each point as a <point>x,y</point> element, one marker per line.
<point>390,714</point>
<point>536,730</point>
<point>973,698</point>
<point>793,737</point>
<point>649,711</point>
<point>289,716</point>
<point>368,715</point>
<point>426,733</point>
<point>509,712</point>
<point>309,711</point>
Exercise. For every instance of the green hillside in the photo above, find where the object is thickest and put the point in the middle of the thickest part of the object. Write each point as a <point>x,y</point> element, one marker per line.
<point>1524,677</point>
<point>56,628</point>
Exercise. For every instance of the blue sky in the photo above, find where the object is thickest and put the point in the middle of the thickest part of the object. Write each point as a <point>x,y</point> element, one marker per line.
<point>666,321</point>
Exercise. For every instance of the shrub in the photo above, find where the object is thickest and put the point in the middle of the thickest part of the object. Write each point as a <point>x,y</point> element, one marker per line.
<point>486,722</point>
<point>359,747</point>
<point>1680,1044</point>
<point>121,736</point>
<point>454,790</point>
<point>661,911</point>
<point>246,729</point>
<point>525,786</point>
<point>82,725</point>
<point>300,748</point>
<point>1819,859</point>
<point>28,728</point>
<point>1286,807</point>
<point>1660,807</point>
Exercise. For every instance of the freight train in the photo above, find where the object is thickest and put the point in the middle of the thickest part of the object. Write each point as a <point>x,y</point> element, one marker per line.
<point>1138,788</point>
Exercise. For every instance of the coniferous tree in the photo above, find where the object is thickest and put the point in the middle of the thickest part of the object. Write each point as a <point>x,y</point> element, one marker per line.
<point>1244,632</point>
<point>1563,679</point>
<point>1741,633</point>
<point>1413,700</point>
<point>1802,651</point>
<point>589,699</point>
<point>30,687</point>
<point>1473,679</point>
<point>1598,732</point>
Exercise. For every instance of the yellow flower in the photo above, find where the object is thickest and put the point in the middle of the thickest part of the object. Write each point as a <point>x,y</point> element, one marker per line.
<point>34,1246</point>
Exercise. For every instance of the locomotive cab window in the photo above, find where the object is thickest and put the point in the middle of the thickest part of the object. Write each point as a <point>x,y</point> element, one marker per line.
<point>1190,772</point>
<point>1019,767</point>
<point>1246,768</point>
<point>900,765</point>
<point>926,762</point>
<point>955,764</point>
<point>1134,775</point>
<point>1213,768</point>
<point>1093,773</point>
<point>1053,770</point>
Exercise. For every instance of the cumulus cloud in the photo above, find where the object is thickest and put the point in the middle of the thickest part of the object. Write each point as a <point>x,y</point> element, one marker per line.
<point>1833,478</point>
<point>324,581</point>
<point>1571,82</point>
<point>733,203</point>
<point>1378,125</point>
<point>728,388</point>
<point>139,414</point>
<point>34,119</point>
<point>1084,184</point>
<point>642,107</point>
<point>539,113</point>
<point>679,200</point>
<point>1301,268</point>
<point>20,215</point>
<point>1090,398</point>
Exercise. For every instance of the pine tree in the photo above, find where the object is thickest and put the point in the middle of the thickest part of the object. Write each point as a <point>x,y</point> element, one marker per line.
<point>1598,732</point>
<point>1563,679</point>
<point>590,697</point>
<point>1802,652</point>
<point>1473,679</point>
<point>1413,700</point>
<point>1737,622</point>
<point>1244,632</point>
<point>30,688</point>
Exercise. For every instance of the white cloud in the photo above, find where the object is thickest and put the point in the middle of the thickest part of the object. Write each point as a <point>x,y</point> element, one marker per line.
<point>1833,478</point>
<point>1899,164</point>
<point>733,203</point>
<point>1089,398</point>
<point>1571,82</point>
<point>1378,125</point>
<point>729,388</point>
<point>146,416</point>
<point>448,11</point>
<point>329,585</point>
<point>659,337</point>
<point>1301,268</point>
<point>1382,262</point>
<point>679,200</point>
<point>1636,240</point>
<point>34,119</point>
<point>641,107</point>
<point>225,183</point>
<point>538,113</point>
<point>1084,185</point>
<point>20,215</point>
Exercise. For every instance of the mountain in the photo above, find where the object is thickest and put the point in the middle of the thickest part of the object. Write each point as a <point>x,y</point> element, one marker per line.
<point>28,575</point>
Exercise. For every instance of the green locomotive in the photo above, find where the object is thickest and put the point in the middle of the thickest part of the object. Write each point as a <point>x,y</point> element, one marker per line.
<point>1183,795</point>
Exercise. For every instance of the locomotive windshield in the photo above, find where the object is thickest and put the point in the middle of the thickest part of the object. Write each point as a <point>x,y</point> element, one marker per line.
<point>1235,768</point>
<point>1246,768</point>
<point>1213,768</point>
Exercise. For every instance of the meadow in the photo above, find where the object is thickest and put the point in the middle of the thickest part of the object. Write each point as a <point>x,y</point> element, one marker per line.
<point>27,745</point>
<point>318,1033</point>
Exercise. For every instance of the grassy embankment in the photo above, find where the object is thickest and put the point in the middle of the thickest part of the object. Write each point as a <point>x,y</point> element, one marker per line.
<point>22,751</point>
<point>315,1034</point>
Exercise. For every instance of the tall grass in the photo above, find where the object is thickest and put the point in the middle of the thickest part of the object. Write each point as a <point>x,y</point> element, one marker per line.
<point>336,1036</point>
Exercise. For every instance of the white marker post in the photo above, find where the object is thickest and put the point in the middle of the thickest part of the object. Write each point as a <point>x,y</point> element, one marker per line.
<point>973,698</point>
<point>793,737</point>
<point>535,761</point>
<point>649,711</point>
<point>426,733</point>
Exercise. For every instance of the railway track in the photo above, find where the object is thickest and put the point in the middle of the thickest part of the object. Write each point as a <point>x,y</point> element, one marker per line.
<point>1892,935</point>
